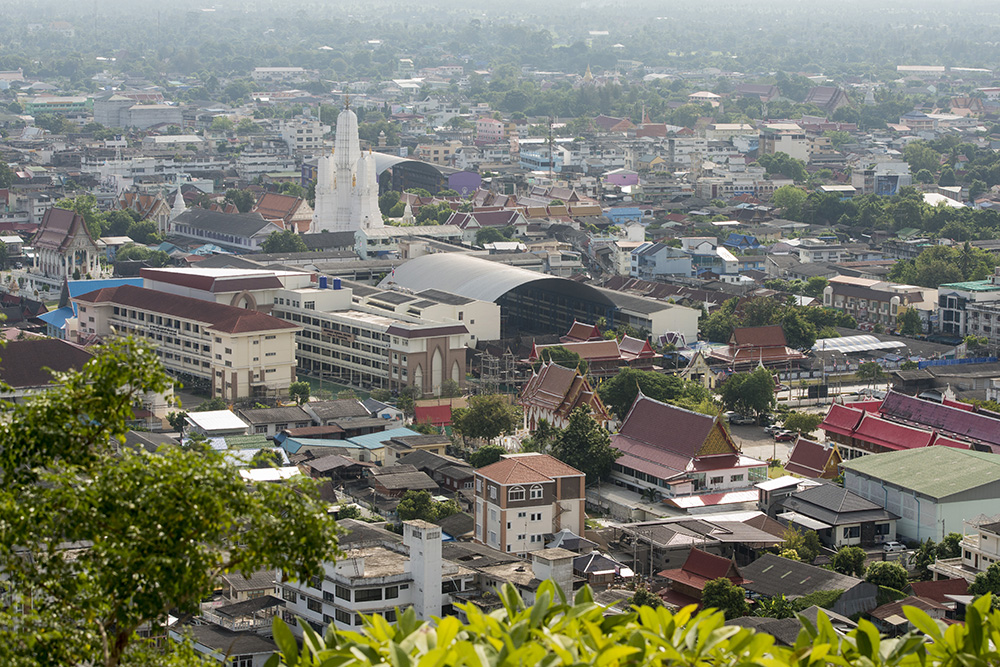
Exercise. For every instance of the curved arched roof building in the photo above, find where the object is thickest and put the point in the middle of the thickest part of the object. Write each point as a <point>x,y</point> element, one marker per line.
<point>533,302</point>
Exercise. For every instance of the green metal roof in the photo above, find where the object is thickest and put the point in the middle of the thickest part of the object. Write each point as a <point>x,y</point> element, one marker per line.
<point>935,471</point>
<point>973,286</point>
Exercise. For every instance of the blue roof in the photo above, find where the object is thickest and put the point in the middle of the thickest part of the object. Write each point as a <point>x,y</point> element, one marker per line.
<point>378,440</point>
<point>57,318</point>
<point>293,445</point>
<point>81,287</point>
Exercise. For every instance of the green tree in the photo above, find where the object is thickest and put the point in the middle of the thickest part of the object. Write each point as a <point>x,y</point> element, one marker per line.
<point>791,199</point>
<point>299,391</point>
<point>543,439</point>
<point>113,540</point>
<point>947,178</point>
<point>420,505</point>
<point>870,372</point>
<point>805,545</point>
<point>585,445</point>
<point>450,388</point>
<point>643,597</point>
<point>487,417</point>
<point>950,546</point>
<point>562,357</point>
<point>924,176</point>
<point>177,420</point>
<point>776,607</point>
<point>815,286</point>
<point>283,242</point>
<point>800,333</point>
<point>490,235</point>
<point>803,422</point>
<point>888,574</point>
<point>145,232</point>
<point>6,175</point>
<point>976,344</point>
<point>909,323</point>
<point>920,156</point>
<point>86,205</point>
<point>387,201</point>
<point>221,124</point>
<point>923,558</point>
<point>486,455</point>
<point>243,200</point>
<point>619,392</point>
<point>987,582</point>
<point>724,595</point>
<point>850,561</point>
<point>216,403</point>
<point>266,458</point>
<point>749,393</point>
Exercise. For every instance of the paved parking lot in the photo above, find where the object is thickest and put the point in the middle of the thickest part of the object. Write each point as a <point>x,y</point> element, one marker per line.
<point>754,442</point>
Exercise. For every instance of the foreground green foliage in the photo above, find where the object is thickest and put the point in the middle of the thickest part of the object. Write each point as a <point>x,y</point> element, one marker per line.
<point>99,541</point>
<point>561,631</point>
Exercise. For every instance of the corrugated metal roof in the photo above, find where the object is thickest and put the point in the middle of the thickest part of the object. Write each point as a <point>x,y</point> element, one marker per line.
<point>477,278</point>
<point>936,472</point>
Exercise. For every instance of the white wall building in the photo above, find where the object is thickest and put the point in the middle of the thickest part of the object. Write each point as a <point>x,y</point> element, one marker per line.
<point>346,183</point>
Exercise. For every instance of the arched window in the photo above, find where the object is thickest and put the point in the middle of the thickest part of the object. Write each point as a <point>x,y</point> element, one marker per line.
<point>536,492</point>
<point>515,493</point>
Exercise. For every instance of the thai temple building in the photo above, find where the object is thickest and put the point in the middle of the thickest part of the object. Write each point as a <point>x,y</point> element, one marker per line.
<point>346,183</point>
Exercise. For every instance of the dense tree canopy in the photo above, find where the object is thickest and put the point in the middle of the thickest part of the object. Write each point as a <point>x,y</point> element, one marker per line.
<point>619,392</point>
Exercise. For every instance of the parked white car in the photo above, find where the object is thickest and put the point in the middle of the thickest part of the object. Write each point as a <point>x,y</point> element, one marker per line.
<point>893,546</point>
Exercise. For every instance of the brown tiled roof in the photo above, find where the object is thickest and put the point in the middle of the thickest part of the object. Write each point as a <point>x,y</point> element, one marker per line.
<point>561,390</point>
<point>58,228</point>
<point>25,363</point>
<point>589,350</point>
<point>666,426</point>
<point>526,469</point>
<point>809,459</point>
<point>937,590</point>
<point>212,283</point>
<point>702,567</point>
<point>767,336</point>
<point>220,317</point>
<point>580,332</point>
<point>274,206</point>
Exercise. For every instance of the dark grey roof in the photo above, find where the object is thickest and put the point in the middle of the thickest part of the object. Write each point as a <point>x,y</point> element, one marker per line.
<point>393,470</point>
<point>784,630</point>
<point>835,505</point>
<point>228,642</point>
<point>339,409</point>
<point>360,533</point>
<point>444,297</point>
<point>285,414</point>
<point>148,441</point>
<point>331,462</point>
<point>237,224</point>
<point>407,480</point>
<point>457,472</point>
<point>256,581</point>
<point>773,575</point>
<point>425,460</point>
<point>249,606</point>
<point>991,527</point>
<point>326,240</point>
<point>458,524</point>
<point>422,440</point>
<point>394,298</point>
<point>474,555</point>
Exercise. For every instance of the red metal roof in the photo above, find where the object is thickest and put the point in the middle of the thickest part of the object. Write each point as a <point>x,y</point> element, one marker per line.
<point>867,406</point>
<point>841,420</point>
<point>889,434</point>
<point>971,426</point>
<point>437,415</point>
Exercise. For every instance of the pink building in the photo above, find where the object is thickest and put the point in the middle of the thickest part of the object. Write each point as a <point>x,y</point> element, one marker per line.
<point>488,131</point>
